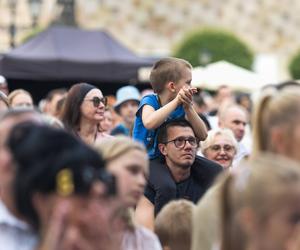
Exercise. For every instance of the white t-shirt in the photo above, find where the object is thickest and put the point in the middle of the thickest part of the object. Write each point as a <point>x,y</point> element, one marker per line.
<point>14,233</point>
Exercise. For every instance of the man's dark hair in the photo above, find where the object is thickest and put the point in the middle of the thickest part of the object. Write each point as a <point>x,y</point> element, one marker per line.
<point>163,130</point>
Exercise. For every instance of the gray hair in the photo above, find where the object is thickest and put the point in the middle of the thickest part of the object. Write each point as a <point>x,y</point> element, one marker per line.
<point>213,133</point>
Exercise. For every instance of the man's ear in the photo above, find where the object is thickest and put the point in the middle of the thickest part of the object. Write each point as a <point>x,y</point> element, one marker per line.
<point>162,148</point>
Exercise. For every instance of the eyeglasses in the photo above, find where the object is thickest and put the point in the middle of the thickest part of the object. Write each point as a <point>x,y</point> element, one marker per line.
<point>226,148</point>
<point>180,141</point>
<point>96,101</point>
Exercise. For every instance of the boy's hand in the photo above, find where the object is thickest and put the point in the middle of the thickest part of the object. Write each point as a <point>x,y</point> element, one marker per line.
<point>185,95</point>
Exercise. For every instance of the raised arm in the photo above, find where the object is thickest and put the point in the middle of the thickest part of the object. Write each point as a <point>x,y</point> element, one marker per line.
<point>196,122</point>
<point>152,118</point>
<point>186,97</point>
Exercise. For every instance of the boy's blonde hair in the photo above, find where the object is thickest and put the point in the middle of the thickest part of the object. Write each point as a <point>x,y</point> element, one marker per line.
<point>167,70</point>
<point>115,147</point>
<point>173,225</point>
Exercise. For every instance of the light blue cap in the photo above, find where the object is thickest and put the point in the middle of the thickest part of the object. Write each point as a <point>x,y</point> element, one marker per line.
<point>125,94</point>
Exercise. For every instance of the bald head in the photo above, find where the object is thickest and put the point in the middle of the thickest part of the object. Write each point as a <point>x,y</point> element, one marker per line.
<point>234,117</point>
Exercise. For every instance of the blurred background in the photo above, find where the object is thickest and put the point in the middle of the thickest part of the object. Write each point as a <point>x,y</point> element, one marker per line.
<point>153,29</point>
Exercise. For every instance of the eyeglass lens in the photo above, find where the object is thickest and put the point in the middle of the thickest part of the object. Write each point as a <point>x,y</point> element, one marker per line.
<point>226,148</point>
<point>97,100</point>
<point>181,141</point>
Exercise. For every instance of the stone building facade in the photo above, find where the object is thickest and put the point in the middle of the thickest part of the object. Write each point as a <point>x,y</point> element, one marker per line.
<point>152,27</point>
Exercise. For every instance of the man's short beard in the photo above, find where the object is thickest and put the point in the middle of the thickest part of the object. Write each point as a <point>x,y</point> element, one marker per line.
<point>185,166</point>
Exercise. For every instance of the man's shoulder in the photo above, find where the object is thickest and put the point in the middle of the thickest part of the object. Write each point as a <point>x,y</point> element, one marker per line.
<point>157,166</point>
<point>205,170</point>
<point>205,163</point>
<point>159,172</point>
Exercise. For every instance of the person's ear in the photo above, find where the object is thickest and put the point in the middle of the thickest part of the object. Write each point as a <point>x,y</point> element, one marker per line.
<point>279,141</point>
<point>162,148</point>
<point>248,221</point>
<point>171,86</point>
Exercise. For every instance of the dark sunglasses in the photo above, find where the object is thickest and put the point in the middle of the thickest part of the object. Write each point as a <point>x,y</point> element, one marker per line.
<point>96,101</point>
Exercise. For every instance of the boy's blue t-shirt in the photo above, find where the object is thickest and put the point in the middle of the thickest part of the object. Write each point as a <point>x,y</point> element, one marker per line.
<point>149,137</point>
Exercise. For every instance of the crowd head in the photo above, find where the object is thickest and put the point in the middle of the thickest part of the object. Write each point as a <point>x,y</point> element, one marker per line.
<point>260,204</point>
<point>220,146</point>
<point>177,143</point>
<point>276,122</point>
<point>20,98</point>
<point>60,167</point>
<point>127,160</point>
<point>168,70</point>
<point>234,117</point>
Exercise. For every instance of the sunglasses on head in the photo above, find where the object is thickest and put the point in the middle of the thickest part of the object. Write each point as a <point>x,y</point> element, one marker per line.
<point>96,101</point>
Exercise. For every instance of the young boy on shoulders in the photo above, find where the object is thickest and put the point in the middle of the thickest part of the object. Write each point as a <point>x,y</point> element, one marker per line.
<point>170,79</point>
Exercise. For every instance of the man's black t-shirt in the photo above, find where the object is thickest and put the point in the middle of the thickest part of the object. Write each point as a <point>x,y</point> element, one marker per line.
<point>161,187</point>
<point>189,189</point>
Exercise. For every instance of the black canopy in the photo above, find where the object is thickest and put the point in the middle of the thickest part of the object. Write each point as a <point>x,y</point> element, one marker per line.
<point>70,54</point>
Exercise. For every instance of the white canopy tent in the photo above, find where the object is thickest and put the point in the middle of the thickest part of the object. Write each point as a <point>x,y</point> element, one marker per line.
<point>225,73</point>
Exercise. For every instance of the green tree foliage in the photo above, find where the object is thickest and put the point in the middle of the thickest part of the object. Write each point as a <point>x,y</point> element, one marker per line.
<point>211,45</point>
<point>32,34</point>
<point>294,66</point>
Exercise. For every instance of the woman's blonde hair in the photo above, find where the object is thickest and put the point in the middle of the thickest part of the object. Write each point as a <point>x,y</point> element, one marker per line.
<point>275,109</point>
<point>113,148</point>
<point>262,184</point>
<point>16,92</point>
<point>211,137</point>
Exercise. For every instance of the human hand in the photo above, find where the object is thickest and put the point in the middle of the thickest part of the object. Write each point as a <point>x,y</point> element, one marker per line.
<point>185,95</point>
<point>83,224</point>
<point>53,236</point>
<point>98,227</point>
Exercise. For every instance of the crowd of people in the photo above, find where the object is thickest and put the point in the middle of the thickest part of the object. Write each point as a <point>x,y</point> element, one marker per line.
<point>170,168</point>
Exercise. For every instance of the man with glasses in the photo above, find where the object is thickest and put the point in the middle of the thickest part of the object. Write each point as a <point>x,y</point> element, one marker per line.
<point>178,173</point>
